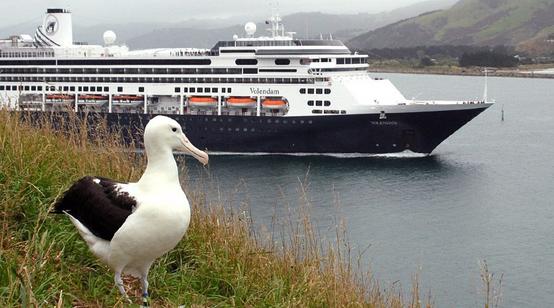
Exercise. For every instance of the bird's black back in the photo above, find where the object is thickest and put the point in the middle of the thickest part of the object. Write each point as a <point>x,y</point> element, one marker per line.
<point>98,206</point>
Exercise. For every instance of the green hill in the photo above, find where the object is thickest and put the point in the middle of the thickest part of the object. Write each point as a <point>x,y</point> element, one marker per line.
<point>521,23</point>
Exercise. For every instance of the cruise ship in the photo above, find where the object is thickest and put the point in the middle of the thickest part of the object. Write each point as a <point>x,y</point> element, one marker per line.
<point>273,94</point>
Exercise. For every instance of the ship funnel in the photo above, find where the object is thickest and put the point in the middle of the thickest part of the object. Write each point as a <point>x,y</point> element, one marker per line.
<point>56,29</point>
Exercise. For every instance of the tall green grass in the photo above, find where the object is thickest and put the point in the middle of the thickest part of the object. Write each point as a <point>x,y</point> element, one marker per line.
<point>221,261</point>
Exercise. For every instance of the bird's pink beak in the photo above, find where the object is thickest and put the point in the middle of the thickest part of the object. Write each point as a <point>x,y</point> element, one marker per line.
<point>189,148</point>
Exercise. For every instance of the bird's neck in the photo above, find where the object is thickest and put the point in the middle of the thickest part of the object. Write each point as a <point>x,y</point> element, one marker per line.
<point>161,168</point>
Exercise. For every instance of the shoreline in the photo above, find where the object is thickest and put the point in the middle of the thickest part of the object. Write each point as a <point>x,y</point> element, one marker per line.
<point>463,72</point>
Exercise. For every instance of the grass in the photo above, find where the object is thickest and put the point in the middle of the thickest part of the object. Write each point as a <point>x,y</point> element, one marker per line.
<point>221,262</point>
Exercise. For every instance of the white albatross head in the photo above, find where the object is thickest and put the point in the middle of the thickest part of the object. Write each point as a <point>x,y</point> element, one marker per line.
<point>164,132</point>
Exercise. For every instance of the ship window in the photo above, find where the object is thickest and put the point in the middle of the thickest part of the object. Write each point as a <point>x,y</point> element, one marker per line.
<point>340,60</point>
<point>282,61</point>
<point>72,89</point>
<point>310,103</point>
<point>316,111</point>
<point>85,89</point>
<point>318,103</point>
<point>327,91</point>
<point>1,88</point>
<point>327,103</point>
<point>177,90</point>
<point>199,90</point>
<point>343,112</point>
<point>315,60</point>
<point>141,89</point>
<point>185,90</point>
<point>120,89</point>
<point>223,90</point>
<point>319,91</point>
<point>106,89</point>
<point>228,90</point>
<point>33,88</point>
<point>192,90</point>
<point>40,88</point>
<point>250,70</point>
<point>246,61</point>
<point>214,90</point>
<point>310,91</point>
<point>303,91</point>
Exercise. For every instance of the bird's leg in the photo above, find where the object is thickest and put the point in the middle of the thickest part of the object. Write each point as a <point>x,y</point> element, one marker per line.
<point>119,284</point>
<point>144,281</point>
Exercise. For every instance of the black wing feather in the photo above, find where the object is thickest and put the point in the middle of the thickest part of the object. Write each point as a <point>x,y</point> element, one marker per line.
<point>98,206</point>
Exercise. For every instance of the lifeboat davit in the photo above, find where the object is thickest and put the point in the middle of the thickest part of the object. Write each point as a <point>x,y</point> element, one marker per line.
<point>241,102</point>
<point>274,103</point>
<point>202,101</point>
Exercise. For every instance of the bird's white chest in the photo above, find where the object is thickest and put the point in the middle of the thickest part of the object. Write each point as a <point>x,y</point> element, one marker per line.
<point>157,226</point>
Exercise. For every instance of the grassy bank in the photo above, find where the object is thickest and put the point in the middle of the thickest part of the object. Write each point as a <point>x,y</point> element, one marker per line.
<point>221,261</point>
<point>410,67</point>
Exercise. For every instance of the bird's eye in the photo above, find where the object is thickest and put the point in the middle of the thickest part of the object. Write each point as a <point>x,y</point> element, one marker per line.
<point>174,129</point>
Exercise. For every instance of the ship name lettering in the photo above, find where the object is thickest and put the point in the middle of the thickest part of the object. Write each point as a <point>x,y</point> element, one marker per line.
<point>384,123</point>
<point>258,91</point>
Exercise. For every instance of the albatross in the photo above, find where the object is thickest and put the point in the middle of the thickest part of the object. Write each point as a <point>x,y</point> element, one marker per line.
<point>129,225</point>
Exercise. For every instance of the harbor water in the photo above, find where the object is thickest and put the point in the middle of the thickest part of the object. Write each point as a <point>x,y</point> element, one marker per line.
<point>486,193</point>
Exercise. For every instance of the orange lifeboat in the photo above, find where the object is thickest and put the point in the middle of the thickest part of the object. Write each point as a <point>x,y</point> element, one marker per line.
<point>274,103</point>
<point>96,100</point>
<point>202,101</point>
<point>60,98</point>
<point>93,97</point>
<point>128,98</point>
<point>241,102</point>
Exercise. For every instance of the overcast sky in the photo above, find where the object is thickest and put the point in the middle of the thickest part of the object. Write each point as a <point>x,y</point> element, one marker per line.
<point>91,12</point>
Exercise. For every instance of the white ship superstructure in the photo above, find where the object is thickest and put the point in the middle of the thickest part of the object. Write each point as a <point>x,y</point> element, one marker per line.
<point>277,76</point>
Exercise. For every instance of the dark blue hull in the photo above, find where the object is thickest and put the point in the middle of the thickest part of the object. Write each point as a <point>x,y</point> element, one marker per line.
<point>419,132</point>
